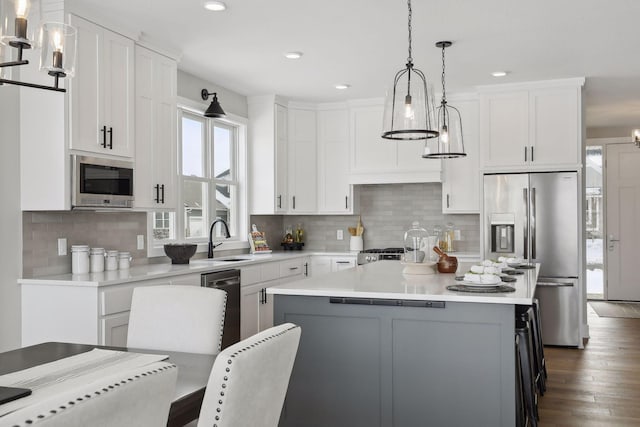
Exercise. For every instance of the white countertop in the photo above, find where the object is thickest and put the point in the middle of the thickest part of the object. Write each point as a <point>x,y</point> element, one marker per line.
<point>384,279</point>
<point>158,271</point>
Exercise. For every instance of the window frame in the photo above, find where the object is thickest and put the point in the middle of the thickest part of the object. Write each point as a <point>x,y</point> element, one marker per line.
<point>240,179</point>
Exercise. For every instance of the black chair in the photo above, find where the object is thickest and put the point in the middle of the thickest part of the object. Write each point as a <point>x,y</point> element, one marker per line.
<point>539,345</point>
<point>521,415</point>
<point>528,314</point>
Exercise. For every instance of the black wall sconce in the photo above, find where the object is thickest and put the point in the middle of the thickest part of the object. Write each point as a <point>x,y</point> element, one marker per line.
<point>214,110</point>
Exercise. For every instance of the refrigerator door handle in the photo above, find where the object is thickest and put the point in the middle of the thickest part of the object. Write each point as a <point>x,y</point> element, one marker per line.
<point>554,284</point>
<point>525,197</point>
<point>533,223</point>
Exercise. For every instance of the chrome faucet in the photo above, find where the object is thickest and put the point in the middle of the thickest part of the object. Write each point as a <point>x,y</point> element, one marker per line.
<point>226,235</point>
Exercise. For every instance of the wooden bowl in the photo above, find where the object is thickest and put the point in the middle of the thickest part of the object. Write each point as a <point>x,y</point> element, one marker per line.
<point>448,264</point>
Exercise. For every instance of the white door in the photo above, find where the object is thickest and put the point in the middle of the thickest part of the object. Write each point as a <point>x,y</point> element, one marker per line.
<point>623,229</point>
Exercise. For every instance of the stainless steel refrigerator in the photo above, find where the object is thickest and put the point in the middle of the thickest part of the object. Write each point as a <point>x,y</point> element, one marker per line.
<point>535,216</point>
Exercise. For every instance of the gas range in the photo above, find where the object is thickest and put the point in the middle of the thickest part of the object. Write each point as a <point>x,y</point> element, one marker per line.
<point>373,255</point>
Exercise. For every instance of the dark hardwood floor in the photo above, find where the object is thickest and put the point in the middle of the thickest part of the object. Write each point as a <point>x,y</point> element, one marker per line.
<point>597,386</point>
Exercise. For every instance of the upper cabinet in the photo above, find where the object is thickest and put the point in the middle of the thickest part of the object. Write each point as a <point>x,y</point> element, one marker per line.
<point>302,158</point>
<point>267,140</point>
<point>375,160</point>
<point>155,130</point>
<point>461,183</point>
<point>532,126</point>
<point>102,91</point>
<point>335,194</point>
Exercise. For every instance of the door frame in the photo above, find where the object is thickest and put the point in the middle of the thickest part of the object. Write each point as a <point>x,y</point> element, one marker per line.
<point>604,142</point>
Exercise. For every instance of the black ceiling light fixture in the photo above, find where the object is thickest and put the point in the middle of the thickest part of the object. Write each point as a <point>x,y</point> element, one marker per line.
<point>408,111</point>
<point>214,110</point>
<point>450,143</point>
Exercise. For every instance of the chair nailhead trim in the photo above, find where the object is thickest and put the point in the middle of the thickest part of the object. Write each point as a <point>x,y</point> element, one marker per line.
<point>229,362</point>
<point>97,392</point>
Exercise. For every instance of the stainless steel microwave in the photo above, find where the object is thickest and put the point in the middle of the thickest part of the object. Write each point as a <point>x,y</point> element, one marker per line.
<point>101,183</point>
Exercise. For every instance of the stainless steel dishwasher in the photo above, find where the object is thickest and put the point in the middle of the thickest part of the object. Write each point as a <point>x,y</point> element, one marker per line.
<point>228,281</point>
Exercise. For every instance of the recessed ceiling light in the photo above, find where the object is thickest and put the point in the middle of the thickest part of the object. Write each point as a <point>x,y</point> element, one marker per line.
<point>216,6</point>
<point>293,55</point>
<point>499,73</point>
<point>342,86</point>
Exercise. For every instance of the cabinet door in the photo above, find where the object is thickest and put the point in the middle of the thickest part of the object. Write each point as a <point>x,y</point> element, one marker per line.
<point>155,148</point>
<point>266,310</point>
<point>504,129</point>
<point>555,126</point>
<point>280,167</point>
<point>118,96</point>
<point>320,265</point>
<point>302,161</point>
<point>115,329</point>
<point>86,89</point>
<point>334,190</point>
<point>250,299</point>
<point>461,184</point>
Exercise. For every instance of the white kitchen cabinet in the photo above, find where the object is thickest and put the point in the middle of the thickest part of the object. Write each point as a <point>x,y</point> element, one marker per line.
<point>531,126</point>
<point>102,91</point>
<point>335,194</point>
<point>267,141</point>
<point>461,179</point>
<point>155,129</point>
<point>302,160</point>
<point>115,329</point>
<point>325,264</point>
<point>256,307</point>
<point>375,160</point>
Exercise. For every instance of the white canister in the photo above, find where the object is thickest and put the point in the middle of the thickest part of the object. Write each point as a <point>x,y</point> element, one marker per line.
<point>97,260</point>
<point>79,259</point>
<point>356,243</point>
<point>124,260</point>
<point>112,261</point>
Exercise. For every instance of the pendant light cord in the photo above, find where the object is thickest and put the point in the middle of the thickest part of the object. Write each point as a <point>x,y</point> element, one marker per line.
<point>444,95</point>
<point>409,59</point>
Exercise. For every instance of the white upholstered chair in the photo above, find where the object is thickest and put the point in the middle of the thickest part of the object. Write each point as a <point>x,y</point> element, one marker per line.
<point>188,319</point>
<point>138,397</point>
<point>249,380</point>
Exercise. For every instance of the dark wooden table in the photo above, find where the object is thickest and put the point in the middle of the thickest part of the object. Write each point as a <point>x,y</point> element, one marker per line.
<point>193,372</point>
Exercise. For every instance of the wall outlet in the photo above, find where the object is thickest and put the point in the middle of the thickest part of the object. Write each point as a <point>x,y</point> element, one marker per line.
<point>339,235</point>
<point>140,245</point>
<point>62,246</point>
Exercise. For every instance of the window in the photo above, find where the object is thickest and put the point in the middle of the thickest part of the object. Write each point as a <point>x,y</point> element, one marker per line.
<point>211,177</point>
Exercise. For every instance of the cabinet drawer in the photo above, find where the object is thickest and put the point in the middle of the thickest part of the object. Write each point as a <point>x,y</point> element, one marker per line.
<point>291,267</point>
<point>269,271</point>
<point>115,300</point>
<point>250,275</point>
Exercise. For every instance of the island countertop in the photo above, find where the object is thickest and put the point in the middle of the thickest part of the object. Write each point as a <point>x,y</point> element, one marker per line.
<point>385,280</point>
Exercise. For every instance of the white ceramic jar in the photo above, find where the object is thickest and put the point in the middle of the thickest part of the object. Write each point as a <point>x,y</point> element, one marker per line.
<point>124,260</point>
<point>79,259</point>
<point>97,260</point>
<point>112,260</point>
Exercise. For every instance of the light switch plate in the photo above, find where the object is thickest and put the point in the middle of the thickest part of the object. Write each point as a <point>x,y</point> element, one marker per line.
<point>339,235</point>
<point>140,242</point>
<point>62,246</point>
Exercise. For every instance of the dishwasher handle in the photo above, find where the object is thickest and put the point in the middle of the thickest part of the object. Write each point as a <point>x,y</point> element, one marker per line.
<point>554,284</point>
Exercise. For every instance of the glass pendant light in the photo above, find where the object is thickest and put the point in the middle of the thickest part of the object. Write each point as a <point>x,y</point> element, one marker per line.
<point>408,111</point>
<point>450,142</point>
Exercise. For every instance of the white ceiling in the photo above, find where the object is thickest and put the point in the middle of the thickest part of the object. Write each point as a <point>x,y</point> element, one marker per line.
<point>364,42</point>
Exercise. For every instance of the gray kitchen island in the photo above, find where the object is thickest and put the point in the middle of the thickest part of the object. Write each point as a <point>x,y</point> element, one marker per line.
<point>380,348</point>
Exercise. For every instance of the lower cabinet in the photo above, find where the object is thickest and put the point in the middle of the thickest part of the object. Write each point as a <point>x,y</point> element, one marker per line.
<point>256,307</point>
<point>325,264</point>
<point>115,329</point>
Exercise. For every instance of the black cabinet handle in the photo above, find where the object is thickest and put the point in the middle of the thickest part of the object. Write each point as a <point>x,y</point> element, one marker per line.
<point>525,154</point>
<point>343,262</point>
<point>157,187</point>
<point>532,153</point>
<point>447,200</point>
<point>162,188</point>
<point>104,136</point>
<point>279,201</point>
<point>294,202</point>
<point>264,290</point>
<point>346,202</point>
<point>306,268</point>
<point>110,132</point>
